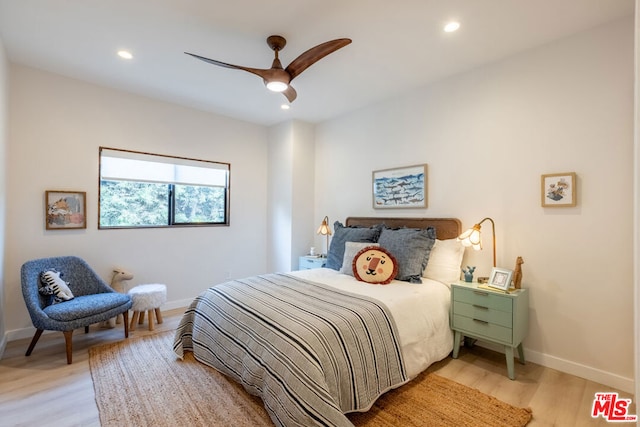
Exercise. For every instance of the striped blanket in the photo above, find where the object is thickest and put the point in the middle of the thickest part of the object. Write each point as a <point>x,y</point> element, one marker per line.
<point>311,352</point>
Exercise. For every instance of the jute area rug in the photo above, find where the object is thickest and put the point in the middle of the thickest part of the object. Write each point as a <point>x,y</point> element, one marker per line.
<point>140,382</point>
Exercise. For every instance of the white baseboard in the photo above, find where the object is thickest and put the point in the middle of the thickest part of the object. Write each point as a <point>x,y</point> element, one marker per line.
<point>184,303</point>
<point>573,368</point>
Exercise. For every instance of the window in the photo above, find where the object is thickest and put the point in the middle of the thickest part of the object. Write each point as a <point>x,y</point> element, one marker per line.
<point>151,190</point>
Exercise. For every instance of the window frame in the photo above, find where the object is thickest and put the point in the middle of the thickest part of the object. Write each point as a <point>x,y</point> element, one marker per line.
<point>171,203</point>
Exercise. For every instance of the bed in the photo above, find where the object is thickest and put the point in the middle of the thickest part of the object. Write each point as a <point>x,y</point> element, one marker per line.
<point>318,344</point>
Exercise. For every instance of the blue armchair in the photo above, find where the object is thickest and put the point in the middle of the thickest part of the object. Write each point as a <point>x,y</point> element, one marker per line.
<point>94,300</point>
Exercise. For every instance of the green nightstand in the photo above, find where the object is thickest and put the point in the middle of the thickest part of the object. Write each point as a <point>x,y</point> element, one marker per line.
<point>308,262</point>
<point>491,316</point>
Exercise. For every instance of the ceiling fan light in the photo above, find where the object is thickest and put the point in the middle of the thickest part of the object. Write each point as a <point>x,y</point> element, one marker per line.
<point>125,54</point>
<point>451,27</point>
<point>277,86</point>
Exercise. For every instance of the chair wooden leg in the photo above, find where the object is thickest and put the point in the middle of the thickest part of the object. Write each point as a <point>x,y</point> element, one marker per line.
<point>67,341</point>
<point>125,317</point>
<point>141,321</point>
<point>35,339</point>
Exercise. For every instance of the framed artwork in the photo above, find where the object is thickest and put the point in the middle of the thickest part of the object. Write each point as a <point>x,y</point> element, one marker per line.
<point>559,190</point>
<point>500,278</point>
<point>400,187</point>
<point>65,210</point>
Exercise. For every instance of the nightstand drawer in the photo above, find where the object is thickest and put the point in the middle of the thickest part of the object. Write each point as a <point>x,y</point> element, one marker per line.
<point>307,262</point>
<point>482,298</point>
<point>482,329</point>
<point>474,311</point>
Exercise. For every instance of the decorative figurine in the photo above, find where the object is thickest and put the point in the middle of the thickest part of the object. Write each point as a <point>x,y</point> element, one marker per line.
<point>517,273</point>
<point>468,273</point>
<point>117,284</point>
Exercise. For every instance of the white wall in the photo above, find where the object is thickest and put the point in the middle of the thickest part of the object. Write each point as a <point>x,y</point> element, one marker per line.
<point>291,184</point>
<point>4,102</point>
<point>487,136</point>
<point>57,125</point>
<point>279,215</point>
<point>305,224</point>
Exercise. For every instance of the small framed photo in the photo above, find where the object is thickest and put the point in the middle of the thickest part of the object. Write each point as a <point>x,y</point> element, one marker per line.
<point>559,190</point>
<point>404,187</point>
<point>65,210</point>
<point>500,278</point>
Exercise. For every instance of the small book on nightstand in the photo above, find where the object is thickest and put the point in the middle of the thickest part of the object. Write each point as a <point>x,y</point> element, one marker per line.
<point>500,291</point>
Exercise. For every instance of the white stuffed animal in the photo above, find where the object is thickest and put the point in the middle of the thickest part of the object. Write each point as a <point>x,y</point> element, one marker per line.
<point>54,285</point>
<point>119,276</point>
<point>117,283</point>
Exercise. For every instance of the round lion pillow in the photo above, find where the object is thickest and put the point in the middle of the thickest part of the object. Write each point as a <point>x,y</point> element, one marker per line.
<point>375,264</point>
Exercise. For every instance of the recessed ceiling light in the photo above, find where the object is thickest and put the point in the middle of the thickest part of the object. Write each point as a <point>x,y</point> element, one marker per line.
<point>285,106</point>
<point>125,54</point>
<point>451,27</point>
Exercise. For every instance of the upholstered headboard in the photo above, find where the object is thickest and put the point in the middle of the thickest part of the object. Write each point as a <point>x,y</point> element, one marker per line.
<point>446,228</point>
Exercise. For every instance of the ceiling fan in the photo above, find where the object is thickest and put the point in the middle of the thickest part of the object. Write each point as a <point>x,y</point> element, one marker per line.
<point>278,79</point>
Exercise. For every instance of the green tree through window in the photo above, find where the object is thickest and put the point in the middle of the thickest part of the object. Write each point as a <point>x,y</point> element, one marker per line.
<point>147,190</point>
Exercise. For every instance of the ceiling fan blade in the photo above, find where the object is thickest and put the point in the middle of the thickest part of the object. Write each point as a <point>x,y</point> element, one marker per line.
<point>290,93</point>
<point>257,71</point>
<point>313,55</point>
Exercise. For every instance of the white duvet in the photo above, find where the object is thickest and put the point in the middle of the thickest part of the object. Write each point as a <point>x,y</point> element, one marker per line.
<point>421,313</point>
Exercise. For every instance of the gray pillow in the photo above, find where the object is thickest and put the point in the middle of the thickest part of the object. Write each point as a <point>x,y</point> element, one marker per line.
<point>411,247</point>
<point>351,249</point>
<point>344,234</point>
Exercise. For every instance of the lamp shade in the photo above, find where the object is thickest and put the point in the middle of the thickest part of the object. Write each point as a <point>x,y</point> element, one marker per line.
<point>324,228</point>
<point>472,237</point>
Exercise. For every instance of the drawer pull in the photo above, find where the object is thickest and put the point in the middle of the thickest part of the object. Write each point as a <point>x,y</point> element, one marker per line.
<point>481,321</point>
<point>484,294</point>
<point>480,307</point>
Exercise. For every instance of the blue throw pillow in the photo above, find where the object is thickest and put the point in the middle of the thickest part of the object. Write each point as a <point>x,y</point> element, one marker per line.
<point>344,234</point>
<point>411,247</point>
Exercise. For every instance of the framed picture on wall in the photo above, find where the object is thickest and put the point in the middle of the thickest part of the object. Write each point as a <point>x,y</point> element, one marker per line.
<point>559,190</point>
<point>404,187</point>
<point>65,210</point>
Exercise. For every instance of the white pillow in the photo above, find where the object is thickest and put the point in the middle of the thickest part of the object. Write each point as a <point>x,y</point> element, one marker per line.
<point>444,261</point>
<point>350,251</point>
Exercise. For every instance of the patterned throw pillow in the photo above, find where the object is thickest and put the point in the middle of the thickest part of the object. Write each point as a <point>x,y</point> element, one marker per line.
<point>411,247</point>
<point>52,284</point>
<point>344,234</point>
<point>350,251</point>
<point>375,264</point>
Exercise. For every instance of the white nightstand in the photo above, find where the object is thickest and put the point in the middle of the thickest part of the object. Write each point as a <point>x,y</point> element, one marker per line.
<point>308,262</point>
<point>491,316</point>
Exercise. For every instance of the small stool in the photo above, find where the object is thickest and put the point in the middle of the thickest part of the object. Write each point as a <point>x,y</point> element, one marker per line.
<point>147,298</point>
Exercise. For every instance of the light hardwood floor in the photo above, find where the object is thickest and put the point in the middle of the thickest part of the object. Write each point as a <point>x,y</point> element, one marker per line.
<point>42,390</point>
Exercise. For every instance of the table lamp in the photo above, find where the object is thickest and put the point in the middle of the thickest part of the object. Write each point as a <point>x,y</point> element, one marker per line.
<point>325,230</point>
<point>472,237</point>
